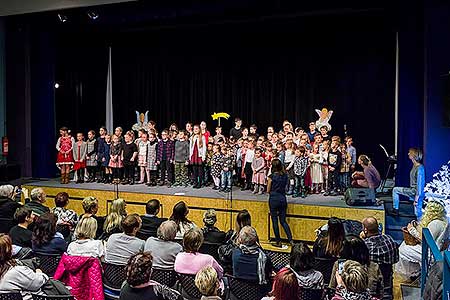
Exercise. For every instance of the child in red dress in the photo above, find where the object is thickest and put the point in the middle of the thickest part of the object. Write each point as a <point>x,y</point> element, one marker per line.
<point>64,160</point>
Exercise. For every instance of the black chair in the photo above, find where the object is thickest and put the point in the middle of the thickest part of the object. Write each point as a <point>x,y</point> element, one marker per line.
<point>48,297</point>
<point>386,270</point>
<point>310,294</point>
<point>188,288</point>
<point>166,277</point>
<point>113,278</point>
<point>279,259</point>
<point>48,263</point>
<point>211,249</point>
<point>11,296</point>
<point>142,235</point>
<point>325,266</point>
<point>245,290</point>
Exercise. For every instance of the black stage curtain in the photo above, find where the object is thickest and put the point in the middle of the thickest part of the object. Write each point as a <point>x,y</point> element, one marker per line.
<point>263,72</point>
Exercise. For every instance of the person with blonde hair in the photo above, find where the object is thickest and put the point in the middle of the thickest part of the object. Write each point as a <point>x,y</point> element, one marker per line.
<point>90,207</point>
<point>207,283</point>
<point>85,245</point>
<point>352,282</point>
<point>114,219</point>
<point>415,191</point>
<point>410,257</point>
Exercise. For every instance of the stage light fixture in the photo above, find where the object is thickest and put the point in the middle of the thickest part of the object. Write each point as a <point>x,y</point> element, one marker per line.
<point>56,85</point>
<point>62,18</point>
<point>92,15</point>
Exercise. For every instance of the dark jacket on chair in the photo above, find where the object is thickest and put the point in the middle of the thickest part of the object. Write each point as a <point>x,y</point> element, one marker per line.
<point>150,224</point>
<point>8,208</point>
<point>37,207</point>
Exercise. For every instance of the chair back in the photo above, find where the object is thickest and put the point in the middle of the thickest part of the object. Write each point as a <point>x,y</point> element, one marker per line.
<point>386,270</point>
<point>11,296</point>
<point>166,277</point>
<point>279,259</point>
<point>245,290</point>
<point>142,235</point>
<point>310,294</point>
<point>188,288</point>
<point>211,249</point>
<point>325,266</point>
<point>54,297</point>
<point>113,276</point>
<point>48,263</point>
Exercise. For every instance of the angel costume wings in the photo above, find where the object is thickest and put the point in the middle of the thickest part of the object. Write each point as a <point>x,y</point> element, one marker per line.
<point>141,121</point>
<point>324,118</point>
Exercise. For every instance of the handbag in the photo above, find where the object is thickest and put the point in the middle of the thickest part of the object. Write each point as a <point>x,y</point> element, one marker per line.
<point>409,239</point>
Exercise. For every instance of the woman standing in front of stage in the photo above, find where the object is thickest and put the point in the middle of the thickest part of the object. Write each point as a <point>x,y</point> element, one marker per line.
<point>276,187</point>
<point>197,153</point>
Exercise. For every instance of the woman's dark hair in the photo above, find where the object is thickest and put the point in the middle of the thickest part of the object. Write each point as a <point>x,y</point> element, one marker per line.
<point>179,213</point>
<point>6,260</point>
<point>64,128</point>
<point>44,229</point>
<point>302,258</point>
<point>277,167</point>
<point>243,219</point>
<point>335,237</point>
<point>22,214</point>
<point>61,199</point>
<point>355,248</point>
<point>139,268</point>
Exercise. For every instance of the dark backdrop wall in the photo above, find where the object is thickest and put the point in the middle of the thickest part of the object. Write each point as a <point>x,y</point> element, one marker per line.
<point>264,72</point>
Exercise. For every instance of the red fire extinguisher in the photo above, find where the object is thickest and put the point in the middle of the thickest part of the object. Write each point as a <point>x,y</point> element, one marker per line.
<point>5,146</point>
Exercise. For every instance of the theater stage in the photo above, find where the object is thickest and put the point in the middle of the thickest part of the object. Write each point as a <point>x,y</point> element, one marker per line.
<point>304,215</point>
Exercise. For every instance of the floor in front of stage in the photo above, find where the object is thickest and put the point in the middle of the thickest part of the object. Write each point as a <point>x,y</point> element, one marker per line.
<point>206,192</point>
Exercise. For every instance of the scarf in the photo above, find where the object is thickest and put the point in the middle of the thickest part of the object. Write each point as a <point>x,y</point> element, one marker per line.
<point>348,295</point>
<point>261,262</point>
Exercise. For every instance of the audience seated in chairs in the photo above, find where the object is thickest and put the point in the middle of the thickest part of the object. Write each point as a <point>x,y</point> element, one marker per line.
<point>191,261</point>
<point>355,249</point>
<point>114,219</point>
<point>410,257</point>
<point>352,283</point>
<point>66,217</point>
<point>85,245</point>
<point>45,239</point>
<point>150,221</point>
<point>330,246</point>
<point>38,198</point>
<point>249,260</point>
<point>179,216</point>
<point>164,248</point>
<point>301,263</point>
<point>138,284</point>
<point>90,207</point>
<point>121,246</point>
<point>285,286</point>
<point>15,277</point>
<point>207,283</point>
<point>20,234</point>
<point>8,206</point>
<point>211,233</point>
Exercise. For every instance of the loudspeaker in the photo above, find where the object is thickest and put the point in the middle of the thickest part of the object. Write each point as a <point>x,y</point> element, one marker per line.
<point>360,197</point>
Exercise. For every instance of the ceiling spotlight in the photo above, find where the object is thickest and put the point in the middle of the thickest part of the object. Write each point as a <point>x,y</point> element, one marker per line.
<point>92,15</point>
<point>62,18</point>
<point>56,85</point>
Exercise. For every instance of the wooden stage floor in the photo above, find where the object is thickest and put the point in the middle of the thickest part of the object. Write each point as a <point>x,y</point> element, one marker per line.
<point>304,215</point>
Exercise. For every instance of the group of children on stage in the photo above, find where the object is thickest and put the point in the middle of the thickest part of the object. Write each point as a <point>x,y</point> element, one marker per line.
<point>314,161</point>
